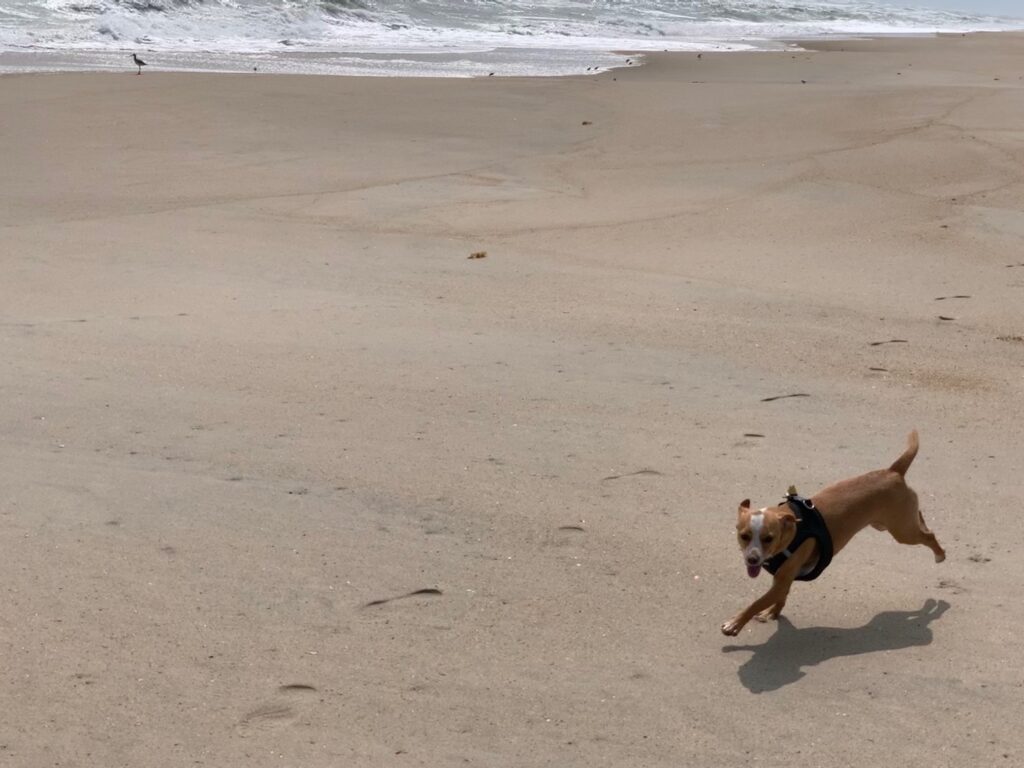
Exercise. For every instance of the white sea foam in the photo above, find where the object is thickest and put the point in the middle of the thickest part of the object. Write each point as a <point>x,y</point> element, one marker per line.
<point>545,36</point>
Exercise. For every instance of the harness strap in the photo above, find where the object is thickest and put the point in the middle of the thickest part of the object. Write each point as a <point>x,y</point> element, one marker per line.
<point>810,525</point>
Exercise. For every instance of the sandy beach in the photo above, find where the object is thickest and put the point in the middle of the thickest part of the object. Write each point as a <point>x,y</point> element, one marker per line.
<point>255,396</point>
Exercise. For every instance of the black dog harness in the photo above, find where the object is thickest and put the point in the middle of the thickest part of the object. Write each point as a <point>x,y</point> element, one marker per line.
<point>809,525</point>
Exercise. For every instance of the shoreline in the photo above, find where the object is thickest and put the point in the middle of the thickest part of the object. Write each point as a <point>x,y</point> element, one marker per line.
<point>567,62</point>
<point>504,62</point>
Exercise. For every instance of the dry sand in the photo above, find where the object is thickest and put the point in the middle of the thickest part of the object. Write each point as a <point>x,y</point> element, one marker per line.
<point>251,382</point>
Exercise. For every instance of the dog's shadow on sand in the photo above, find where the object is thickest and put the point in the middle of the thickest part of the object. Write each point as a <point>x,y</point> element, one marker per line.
<point>781,659</point>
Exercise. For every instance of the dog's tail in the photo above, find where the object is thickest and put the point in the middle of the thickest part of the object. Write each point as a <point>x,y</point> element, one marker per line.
<point>902,464</point>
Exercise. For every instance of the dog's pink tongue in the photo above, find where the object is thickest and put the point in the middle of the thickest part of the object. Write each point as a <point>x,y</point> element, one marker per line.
<point>753,571</point>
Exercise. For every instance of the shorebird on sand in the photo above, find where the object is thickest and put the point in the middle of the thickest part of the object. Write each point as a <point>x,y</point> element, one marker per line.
<point>138,63</point>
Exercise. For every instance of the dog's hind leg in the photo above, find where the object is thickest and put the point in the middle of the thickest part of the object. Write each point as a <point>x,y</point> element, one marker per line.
<point>930,540</point>
<point>913,530</point>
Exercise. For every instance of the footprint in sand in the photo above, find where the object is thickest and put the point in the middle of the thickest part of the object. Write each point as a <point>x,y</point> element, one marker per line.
<point>282,711</point>
<point>953,586</point>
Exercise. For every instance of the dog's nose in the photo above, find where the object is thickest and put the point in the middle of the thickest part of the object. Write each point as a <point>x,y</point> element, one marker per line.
<point>753,559</point>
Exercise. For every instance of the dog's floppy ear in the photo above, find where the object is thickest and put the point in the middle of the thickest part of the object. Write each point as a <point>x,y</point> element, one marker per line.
<point>745,504</point>
<point>787,518</point>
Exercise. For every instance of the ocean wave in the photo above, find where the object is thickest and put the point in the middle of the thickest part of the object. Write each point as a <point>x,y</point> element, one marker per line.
<point>419,25</point>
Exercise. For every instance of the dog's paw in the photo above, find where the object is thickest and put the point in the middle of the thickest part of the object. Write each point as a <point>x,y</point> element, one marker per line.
<point>771,614</point>
<point>731,628</point>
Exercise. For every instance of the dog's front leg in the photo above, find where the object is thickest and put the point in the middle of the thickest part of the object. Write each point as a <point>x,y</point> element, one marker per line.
<point>771,614</point>
<point>776,596</point>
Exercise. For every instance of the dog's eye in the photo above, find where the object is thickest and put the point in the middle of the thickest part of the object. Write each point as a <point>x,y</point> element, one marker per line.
<point>745,536</point>
<point>767,539</point>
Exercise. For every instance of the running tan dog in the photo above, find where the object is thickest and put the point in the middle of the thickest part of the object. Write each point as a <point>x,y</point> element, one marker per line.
<point>797,539</point>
